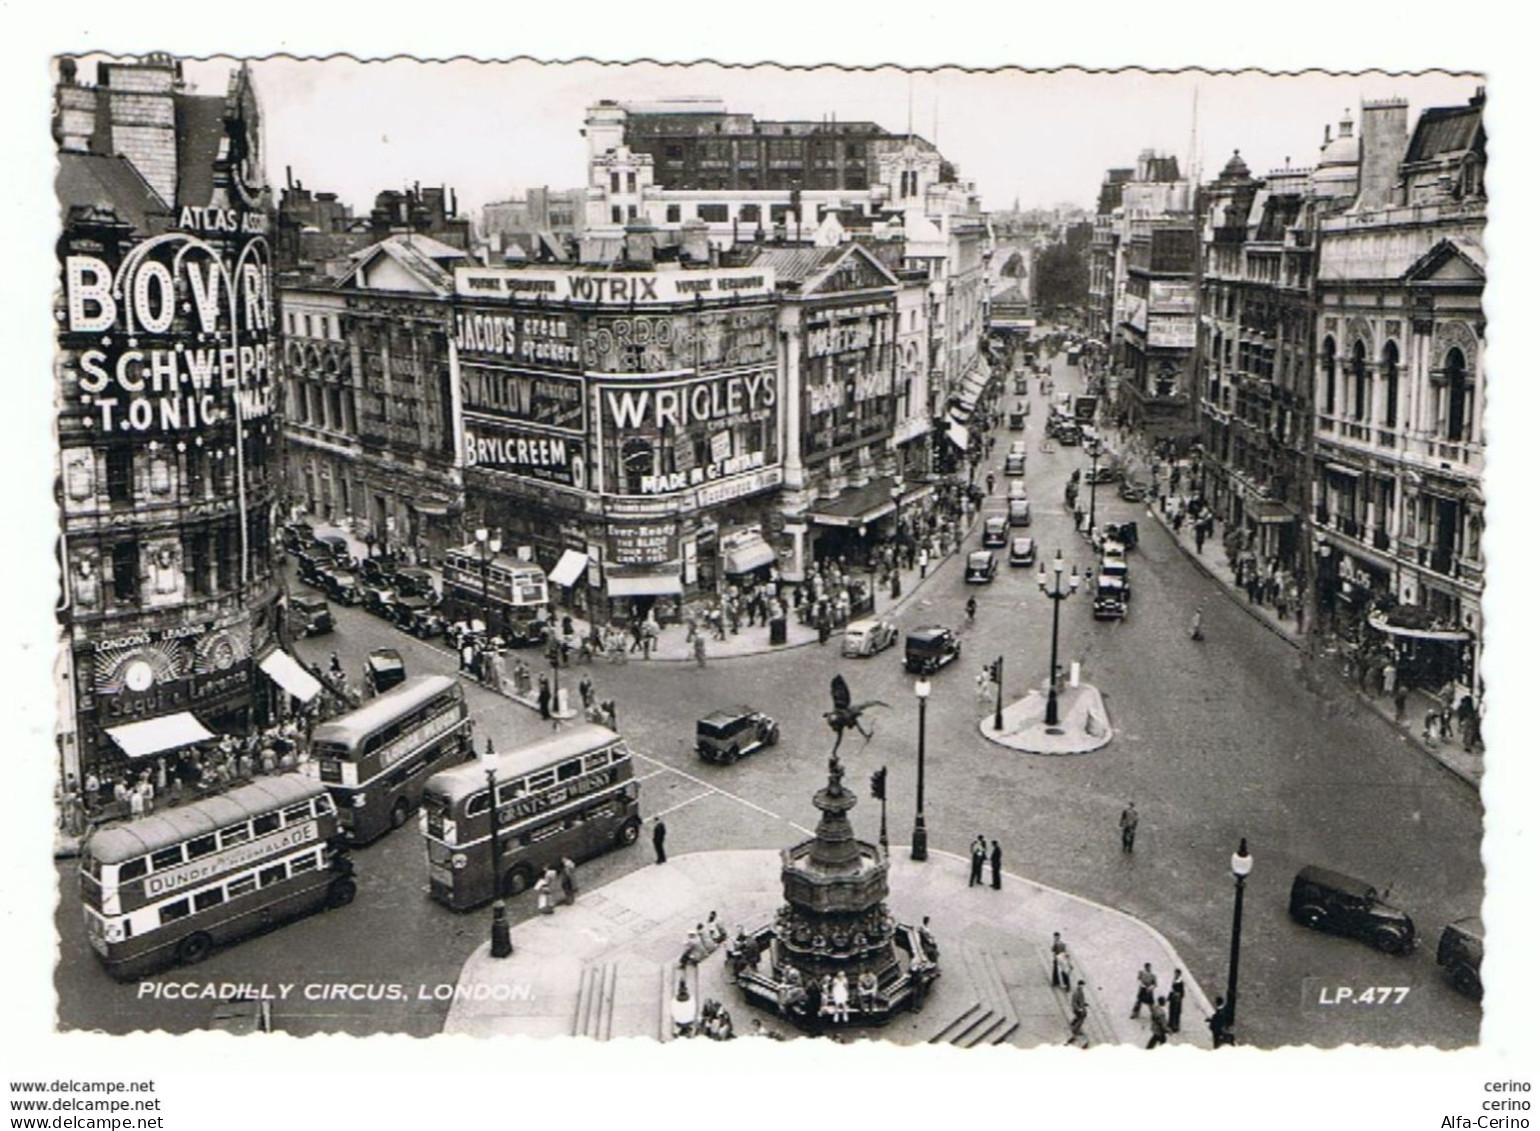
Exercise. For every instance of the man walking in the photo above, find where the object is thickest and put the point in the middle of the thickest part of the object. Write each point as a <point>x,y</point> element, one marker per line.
<point>1219,1024</point>
<point>995,858</point>
<point>1174,998</point>
<point>1129,823</point>
<point>976,866</point>
<point>1146,991</point>
<point>545,698</point>
<point>659,832</point>
<point>1078,1011</point>
<point>1059,957</point>
<point>1157,1023</point>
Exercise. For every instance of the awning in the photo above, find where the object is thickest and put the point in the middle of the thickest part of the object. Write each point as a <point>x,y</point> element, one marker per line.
<point>152,736</point>
<point>958,434</point>
<point>749,555</point>
<point>1270,513</point>
<point>1343,469</point>
<point>287,672</point>
<point>1449,635</point>
<point>662,583</point>
<point>571,567</point>
<point>856,506</point>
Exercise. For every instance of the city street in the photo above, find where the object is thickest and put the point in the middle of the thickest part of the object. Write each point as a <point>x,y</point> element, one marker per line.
<point>1214,741</point>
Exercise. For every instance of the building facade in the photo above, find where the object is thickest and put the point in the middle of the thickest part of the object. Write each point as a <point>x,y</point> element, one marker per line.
<point>166,425</point>
<point>1400,394</point>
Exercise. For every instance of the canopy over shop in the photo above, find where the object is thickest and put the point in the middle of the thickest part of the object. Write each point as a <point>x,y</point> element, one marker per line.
<point>156,736</point>
<point>289,674</point>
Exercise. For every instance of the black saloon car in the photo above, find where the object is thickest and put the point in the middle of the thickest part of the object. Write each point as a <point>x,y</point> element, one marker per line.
<point>1324,900</point>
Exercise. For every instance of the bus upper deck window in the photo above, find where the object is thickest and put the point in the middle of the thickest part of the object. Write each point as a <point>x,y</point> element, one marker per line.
<point>266,823</point>
<point>167,857</point>
<point>132,869</point>
<point>200,846</point>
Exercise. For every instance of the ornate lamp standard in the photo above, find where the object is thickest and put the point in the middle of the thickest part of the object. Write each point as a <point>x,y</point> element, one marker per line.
<point>917,850</point>
<point>502,942</point>
<point>487,548</point>
<point>1057,594</point>
<point>898,531</point>
<point>1240,868</point>
<point>1094,450</point>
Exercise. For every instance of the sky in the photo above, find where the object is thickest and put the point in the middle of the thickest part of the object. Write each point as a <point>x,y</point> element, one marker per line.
<point>489,130</point>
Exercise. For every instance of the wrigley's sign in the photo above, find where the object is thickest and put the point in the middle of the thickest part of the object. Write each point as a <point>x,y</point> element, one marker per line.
<point>613,288</point>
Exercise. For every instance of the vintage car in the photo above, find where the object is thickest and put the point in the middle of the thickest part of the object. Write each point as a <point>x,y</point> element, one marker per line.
<point>1103,473</point>
<point>1460,949</point>
<point>1020,384</point>
<point>413,582</point>
<point>1111,600</point>
<point>1068,435</point>
<point>1016,490</point>
<point>372,571</point>
<point>929,649</point>
<point>309,615</point>
<point>332,545</point>
<point>383,669</point>
<point>981,568</point>
<point>994,531</point>
<point>725,736</point>
<point>1018,512</point>
<point>868,636</point>
<point>339,584</point>
<point>378,599</point>
<point>1132,491</point>
<point>1324,900</point>
<point>1023,550</point>
<point>297,536</point>
<point>1017,448</point>
<point>1017,421</point>
<point>1015,464</point>
<point>1116,566</point>
<point>416,616</point>
<point>310,564</point>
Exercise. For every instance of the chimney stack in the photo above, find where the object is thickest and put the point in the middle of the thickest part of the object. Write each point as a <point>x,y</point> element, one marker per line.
<point>1381,147</point>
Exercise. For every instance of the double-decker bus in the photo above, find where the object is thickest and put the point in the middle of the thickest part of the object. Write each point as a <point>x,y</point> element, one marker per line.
<point>170,887</point>
<point>375,759</point>
<point>573,794</point>
<point>509,594</point>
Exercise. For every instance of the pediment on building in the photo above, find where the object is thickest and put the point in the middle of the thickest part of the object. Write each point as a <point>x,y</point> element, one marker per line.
<point>1450,261</point>
<point>854,270</point>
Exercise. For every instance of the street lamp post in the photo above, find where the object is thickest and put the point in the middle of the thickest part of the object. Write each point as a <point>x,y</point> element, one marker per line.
<point>999,693</point>
<point>487,548</point>
<point>917,850</point>
<point>898,533</point>
<point>1057,594</point>
<point>1095,450</point>
<point>1240,868</point>
<point>502,941</point>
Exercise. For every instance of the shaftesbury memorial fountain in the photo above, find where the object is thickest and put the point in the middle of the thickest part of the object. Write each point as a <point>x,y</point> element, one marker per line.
<point>836,957</point>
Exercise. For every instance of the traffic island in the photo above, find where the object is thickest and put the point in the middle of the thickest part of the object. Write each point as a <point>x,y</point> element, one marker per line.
<point>1083,724</point>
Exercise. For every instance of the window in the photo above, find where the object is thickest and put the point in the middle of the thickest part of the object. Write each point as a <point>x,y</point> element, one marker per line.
<point>167,858</point>
<point>630,182</point>
<point>1458,391</point>
<point>1360,383</point>
<point>305,863</point>
<point>120,473</point>
<point>294,814</point>
<point>171,912</point>
<point>630,212</point>
<point>125,573</point>
<point>595,761</point>
<point>132,869</point>
<point>238,835</point>
<point>672,214</point>
<point>1392,383</point>
<point>614,182</point>
<point>614,214</point>
<point>206,899</point>
<point>266,823</point>
<point>543,780</point>
<point>322,805</point>
<point>195,563</point>
<point>749,213</point>
<point>569,770</point>
<point>272,875</point>
<point>1329,363</point>
<point>242,886</point>
<point>200,846</point>
<point>712,213</point>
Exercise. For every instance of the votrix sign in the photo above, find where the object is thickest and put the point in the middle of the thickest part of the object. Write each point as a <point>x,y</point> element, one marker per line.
<point>630,288</point>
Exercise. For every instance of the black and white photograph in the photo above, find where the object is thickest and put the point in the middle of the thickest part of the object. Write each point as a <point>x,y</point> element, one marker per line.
<point>615,549</point>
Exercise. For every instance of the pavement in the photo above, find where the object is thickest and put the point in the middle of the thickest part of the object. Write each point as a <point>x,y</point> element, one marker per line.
<point>1083,724</point>
<point>1464,764</point>
<point>605,966</point>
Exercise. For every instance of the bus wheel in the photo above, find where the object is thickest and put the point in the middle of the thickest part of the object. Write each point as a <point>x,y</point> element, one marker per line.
<point>628,833</point>
<point>517,881</point>
<point>400,812</point>
<point>194,949</point>
<point>341,893</point>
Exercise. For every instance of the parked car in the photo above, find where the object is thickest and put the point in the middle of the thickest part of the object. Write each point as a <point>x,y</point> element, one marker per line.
<point>1103,473</point>
<point>1017,421</point>
<point>1132,491</point>
<point>868,636</point>
<point>297,536</point>
<point>727,735</point>
<point>379,600</point>
<point>1023,550</point>
<point>1068,435</point>
<point>981,568</point>
<point>309,615</point>
<point>1324,900</point>
<point>1460,949</point>
<point>334,546</point>
<point>1016,464</point>
<point>413,582</point>
<point>417,616</point>
<point>1111,600</point>
<point>383,669</point>
<point>372,571</point>
<point>339,584</point>
<point>994,531</point>
<point>1018,512</point>
<point>310,564</point>
<point>1016,490</point>
<point>929,649</point>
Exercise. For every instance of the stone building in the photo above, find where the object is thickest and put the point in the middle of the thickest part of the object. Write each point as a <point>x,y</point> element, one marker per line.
<point>1400,394</point>
<point>166,432</point>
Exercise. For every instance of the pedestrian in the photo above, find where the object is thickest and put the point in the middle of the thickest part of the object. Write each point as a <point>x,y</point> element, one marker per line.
<point>700,651</point>
<point>1157,1023</point>
<point>1219,1024</point>
<point>924,560</point>
<point>1196,629</point>
<point>1174,998</point>
<point>995,857</point>
<point>544,698</point>
<point>543,892</point>
<point>1400,701</point>
<point>976,868</point>
<point>989,483</point>
<point>1129,823</point>
<point>586,692</point>
<point>659,832</point>
<point>1059,958</point>
<point>1078,1010</point>
<point>1146,990</point>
